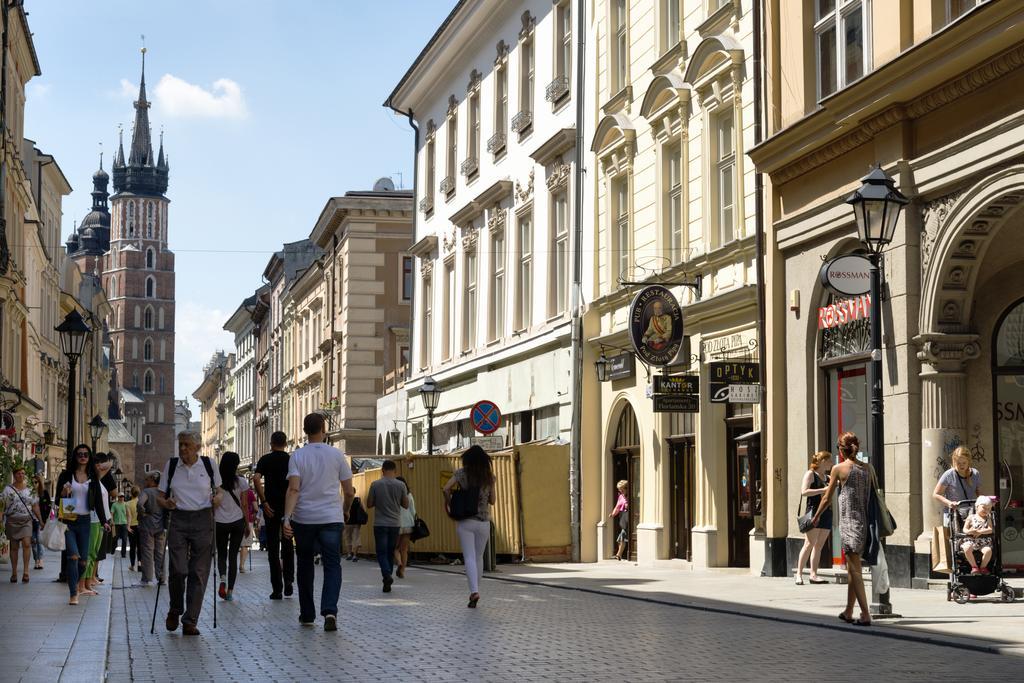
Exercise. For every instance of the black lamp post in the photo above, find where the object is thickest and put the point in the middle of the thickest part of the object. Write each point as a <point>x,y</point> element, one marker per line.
<point>431,394</point>
<point>876,206</point>
<point>96,428</point>
<point>601,364</point>
<point>73,335</point>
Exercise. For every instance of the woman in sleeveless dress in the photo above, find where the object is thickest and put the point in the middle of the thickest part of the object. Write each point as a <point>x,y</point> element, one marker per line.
<point>855,482</point>
<point>814,483</point>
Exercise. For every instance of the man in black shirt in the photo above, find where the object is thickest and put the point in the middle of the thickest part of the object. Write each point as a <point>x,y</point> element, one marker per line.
<point>271,481</point>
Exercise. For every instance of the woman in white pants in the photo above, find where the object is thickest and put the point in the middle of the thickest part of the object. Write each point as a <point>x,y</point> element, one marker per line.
<point>474,531</point>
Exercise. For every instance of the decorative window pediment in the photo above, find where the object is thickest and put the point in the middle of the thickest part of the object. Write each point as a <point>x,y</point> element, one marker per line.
<point>615,143</point>
<point>712,56</point>
<point>667,105</point>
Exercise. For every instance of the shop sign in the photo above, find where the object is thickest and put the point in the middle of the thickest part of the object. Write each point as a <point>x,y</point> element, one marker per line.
<point>621,366</point>
<point>725,374</point>
<point>676,384</point>
<point>744,393</point>
<point>844,312</point>
<point>656,325</point>
<point>848,275</point>
<point>687,403</point>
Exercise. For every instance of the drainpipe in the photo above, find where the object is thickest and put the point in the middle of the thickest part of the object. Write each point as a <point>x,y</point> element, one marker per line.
<point>759,246</point>
<point>576,434</point>
<point>5,252</point>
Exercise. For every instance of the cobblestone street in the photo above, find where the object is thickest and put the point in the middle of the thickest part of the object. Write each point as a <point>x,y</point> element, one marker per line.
<point>423,632</point>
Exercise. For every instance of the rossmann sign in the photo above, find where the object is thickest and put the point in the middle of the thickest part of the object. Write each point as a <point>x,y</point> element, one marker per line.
<point>844,312</point>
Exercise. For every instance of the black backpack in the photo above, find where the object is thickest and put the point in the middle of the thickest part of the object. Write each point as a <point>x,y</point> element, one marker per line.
<point>357,515</point>
<point>170,475</point>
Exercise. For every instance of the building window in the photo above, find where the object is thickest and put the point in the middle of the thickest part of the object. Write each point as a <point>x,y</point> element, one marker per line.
<point>725,183</point>
<point>149,220</point>
<point>469,303</point>
<point>163,389</point>
<point>524,279</point>
<point>160,318</point>
<point>147,382</point>
<point>147,350</point>
<point>558,89</point>
<point>842,51</point>
<point>147,439</point>
<point>163,349</point>
<point>427,203</point>
<point>135,348</point>
<point>150,258</point>
<point>620,46</point>
<point>496,144</point>
<point>138,316</point>
<point>448,184</point>
<point>150,288</point>
<point>471,165</point>
<point>673,203</point>
<point>523,121</point>
<point>449,310</point>
<point>131,219</point>
<point>497,284</point>
<point>559,286</point>
<point>148,318</point>
<point>147,468</point>
<point>671,21</point>
<point>407,278</point>
<point>622,248</point>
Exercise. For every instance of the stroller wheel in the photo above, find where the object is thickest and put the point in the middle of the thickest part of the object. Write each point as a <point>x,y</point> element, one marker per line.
<point>1008,595</point>
<point>961,594</point>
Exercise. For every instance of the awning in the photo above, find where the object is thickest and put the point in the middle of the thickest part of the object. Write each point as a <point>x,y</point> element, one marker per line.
<point>749,436</point>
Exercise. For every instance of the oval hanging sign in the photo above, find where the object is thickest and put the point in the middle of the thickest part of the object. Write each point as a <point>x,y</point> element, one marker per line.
<point>848,275</point>
<point>656,325</point>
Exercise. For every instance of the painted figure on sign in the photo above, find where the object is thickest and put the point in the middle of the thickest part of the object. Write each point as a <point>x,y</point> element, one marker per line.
<point>659,329</point>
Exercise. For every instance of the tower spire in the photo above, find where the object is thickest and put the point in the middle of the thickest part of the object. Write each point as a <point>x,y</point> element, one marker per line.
<point>142,146</point>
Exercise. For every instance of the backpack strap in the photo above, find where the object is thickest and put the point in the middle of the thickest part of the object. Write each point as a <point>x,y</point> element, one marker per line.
<point>173,465</point>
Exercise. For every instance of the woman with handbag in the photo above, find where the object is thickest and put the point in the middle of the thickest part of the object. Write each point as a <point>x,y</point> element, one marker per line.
<point>43,498</point>
<point>815,483</point>
<point>78,489</point>
<point>231,524</point>
<point>854,479</point>
<point>21,512</point>
<point>470,505</point>
<point>408,521</point>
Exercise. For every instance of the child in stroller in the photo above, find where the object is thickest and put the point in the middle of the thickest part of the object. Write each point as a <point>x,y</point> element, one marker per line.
<point>978,532</point>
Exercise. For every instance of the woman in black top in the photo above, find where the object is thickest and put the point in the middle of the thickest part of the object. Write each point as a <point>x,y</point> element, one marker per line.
<point>814,484</point>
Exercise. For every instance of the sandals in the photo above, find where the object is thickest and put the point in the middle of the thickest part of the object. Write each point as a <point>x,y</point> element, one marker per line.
<point>14,578</point>
<point>24,578</point>
<point>817,582</point>
<point>861,622</point>
<point>799,580</point>
<point>473,599</point>
<point>843,617</point>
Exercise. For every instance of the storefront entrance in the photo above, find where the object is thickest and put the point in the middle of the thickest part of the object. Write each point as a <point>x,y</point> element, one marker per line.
<point>1008,414</point>
<point>681,485</point>
<point>743,470</point>
<point>626,465</point>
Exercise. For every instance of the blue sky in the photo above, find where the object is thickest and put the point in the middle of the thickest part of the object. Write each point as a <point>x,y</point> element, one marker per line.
<point>269,108</point>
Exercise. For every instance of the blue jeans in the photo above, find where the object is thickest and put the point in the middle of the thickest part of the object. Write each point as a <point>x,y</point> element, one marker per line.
<point>76,544</point>
<point>326,537</point>
<point>385,538</point>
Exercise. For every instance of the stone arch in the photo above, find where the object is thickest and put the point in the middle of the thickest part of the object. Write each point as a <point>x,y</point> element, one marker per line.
<point>958,230</point>
<point>380,445</point>
<point>612,131</point>
<point>712,52</point>
<point>667,89</point>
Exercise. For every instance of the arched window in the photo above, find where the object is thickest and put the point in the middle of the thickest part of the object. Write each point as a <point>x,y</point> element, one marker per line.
<point>162,390</point>
<point>135,379</point>
<point>138,316</point>
<point>147,382</point>
<point>149,220</point>
<point>148,323</point>
<point>150,258</point>
<point>131,219</point>
<point>150,287</point>
<point>160,318</point>
<point>147,350</point>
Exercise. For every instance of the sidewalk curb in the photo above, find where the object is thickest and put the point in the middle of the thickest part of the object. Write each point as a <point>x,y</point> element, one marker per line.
<point>762,614</point>
<point>92,637</point>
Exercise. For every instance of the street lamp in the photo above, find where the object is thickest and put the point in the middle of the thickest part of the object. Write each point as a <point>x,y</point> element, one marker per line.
<point>431,394</point>
<point>96,428</point>
<point>73,335</point>
<point>395,435</point>
<point>876,206</point>
<point>601,364</point>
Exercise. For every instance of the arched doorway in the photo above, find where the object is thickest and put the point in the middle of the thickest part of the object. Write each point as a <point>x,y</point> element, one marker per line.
<point>626,465</point>
<point>1008,416</point>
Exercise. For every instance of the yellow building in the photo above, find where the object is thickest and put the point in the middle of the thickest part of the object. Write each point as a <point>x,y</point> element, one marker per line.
<point>303,304</point>
<point>928,90</point>
<point>673,200</point>
<point>211,395</point>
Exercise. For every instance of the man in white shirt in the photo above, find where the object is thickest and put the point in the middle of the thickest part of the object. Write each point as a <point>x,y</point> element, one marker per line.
<point>315,514</point>
<point>190,489</point>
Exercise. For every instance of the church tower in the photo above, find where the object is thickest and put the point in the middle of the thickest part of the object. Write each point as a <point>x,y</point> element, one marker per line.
<point>138,275</point>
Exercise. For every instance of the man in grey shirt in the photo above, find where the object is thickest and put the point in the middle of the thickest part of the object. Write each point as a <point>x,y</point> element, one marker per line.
<point>387,497</point>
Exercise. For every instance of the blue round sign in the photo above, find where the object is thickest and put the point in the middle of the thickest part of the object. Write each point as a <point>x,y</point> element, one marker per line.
<point>486,417</point>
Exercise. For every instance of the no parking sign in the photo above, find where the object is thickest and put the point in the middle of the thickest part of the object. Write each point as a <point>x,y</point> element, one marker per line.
<point>486,417</point>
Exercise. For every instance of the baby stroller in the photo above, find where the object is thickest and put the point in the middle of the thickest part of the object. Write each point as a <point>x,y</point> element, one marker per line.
<point>963,585</point>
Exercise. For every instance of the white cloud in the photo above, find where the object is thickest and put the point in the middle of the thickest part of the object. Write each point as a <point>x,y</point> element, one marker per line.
<point>179,98</point>
<point>128,89</point>
<point>199,332</point>
<point>38,89</point>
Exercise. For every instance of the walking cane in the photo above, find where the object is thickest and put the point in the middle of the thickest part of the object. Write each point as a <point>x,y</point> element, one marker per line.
<point>158,572</point>
<point>213,521</point>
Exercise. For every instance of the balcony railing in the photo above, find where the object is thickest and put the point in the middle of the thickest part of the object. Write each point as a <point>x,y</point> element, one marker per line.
<point>496,143</point>
<point>469,167</point>
<point>557,89</point>
<point>522,121</point>
<point>427,204</point>
<point>448,185</point>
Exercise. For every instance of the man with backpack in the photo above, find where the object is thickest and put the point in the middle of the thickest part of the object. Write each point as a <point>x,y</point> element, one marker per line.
<point>189,490</point>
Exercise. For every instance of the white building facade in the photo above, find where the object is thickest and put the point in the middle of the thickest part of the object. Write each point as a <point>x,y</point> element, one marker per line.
<point>244,375</point>
<point>494,98</point>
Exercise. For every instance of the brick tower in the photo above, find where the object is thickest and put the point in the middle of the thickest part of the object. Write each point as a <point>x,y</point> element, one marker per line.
<point>138,275</point>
